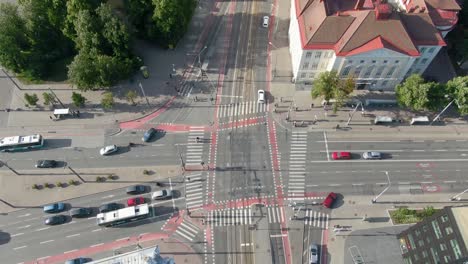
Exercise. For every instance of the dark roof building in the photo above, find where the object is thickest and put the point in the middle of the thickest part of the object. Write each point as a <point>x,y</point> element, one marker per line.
<point>441,238</point>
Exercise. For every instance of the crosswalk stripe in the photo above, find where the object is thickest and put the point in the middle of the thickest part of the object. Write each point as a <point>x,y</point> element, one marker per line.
<point>184,235</point>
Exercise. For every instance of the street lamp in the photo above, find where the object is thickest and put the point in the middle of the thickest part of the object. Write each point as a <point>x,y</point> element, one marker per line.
<point>6,165</point>
<point>457,197</point>
<point>380,194</point>
<point>199,54</point>
<point>354,111</point>
<point>443,110</point>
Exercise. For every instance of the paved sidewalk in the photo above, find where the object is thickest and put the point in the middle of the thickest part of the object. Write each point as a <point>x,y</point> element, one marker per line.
<point>350,211</point>
<point>20,193</point>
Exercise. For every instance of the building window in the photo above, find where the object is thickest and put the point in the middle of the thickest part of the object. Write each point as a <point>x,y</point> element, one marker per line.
<point>391,71</point>
<point>447,259</point>
<point>362,61</point>
<point>416,256</point>
<point>368,72</point>
<point>350,62</point>
<point>422,50</point>
<point>456,248</point>
<point>417,232</point>
<point>431,50</point>
<point>436,228</point>
<point>411,241</point>
<point>374,61</point>
<point>323,65</point>
<point>379,71</point>
<point>345,71</point>
<point>424,228</point>
<point>428,239</point>
<point>305,66</point>
<point>448,230</point>
<point>435,255</point>
<point>330,54</point>
<point>385,61</point>
<point>308,55</point>
<point>318,54</point>
<point>443,247</point>
<point>423,61</point>
<point>397,61</point>
<point>312,75</point>
<point>421,243</point>
<point>384,83</point>
<point>303,75</point>
<point>357,71</point>
<point>416,61</point>
<point>314,66</point>
<point>444,218</point>
<point>424,254</point>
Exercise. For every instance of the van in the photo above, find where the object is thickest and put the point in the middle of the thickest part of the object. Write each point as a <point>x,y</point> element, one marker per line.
<point>261,97</point>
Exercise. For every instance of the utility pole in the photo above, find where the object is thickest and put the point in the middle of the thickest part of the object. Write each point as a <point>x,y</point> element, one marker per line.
<point>144,94</point>
<point>380,194</point>
<point>441,112</point>
<point>77,175</point>
<point>6,165</point>
<point>457,197</point>
<point>354,111</point>
<point>56,97</point>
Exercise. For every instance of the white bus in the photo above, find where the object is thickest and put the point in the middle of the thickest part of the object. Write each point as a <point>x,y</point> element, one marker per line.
<point>21,143</point>
<point>123,215</point>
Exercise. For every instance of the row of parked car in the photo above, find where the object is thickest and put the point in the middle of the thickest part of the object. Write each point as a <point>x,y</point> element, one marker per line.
<point>345,155</point>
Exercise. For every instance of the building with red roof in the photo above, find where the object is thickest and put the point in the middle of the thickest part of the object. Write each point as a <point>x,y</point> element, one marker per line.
<point>378,42</point>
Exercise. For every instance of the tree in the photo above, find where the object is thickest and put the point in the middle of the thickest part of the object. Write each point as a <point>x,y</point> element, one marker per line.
<point>48,98</point>
<point>13,39</point>
<point>131,95</point>
<point>73,9</point>
<point>78,99</point>
<point>32,99</point>
<point>458,89</point>
<point>82,72</point>
<point>115,33</point>
<point>329,86</point>
<point>417,94</point>
<point>107,100</point>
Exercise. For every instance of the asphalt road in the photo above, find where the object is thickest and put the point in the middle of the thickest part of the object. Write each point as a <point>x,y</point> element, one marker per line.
<point>26,237</point>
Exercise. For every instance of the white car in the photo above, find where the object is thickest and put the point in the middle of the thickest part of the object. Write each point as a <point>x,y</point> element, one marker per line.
<point>261,96</point>
<point>161,195</point>
<point>313,257</point>
<point>372,155</point>
<point>266,20</point>
<point>108,150</point>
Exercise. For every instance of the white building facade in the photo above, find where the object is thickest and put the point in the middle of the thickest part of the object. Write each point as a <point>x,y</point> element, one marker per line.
<point>376,44</point>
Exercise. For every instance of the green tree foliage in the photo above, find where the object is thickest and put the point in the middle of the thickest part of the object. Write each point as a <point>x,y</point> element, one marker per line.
<point>139,14</point>
<point>329,86</point>
<point>32,99</point>
<point>171,18</point>
<point>115,33</point>
<point>48,98</point>
<point>417,94</point>
<point>78,99</point>
<point>458,88</point>
<point>107,100</point>
<point>131,96</point>
<point>74,7</point>
<point>88,38</point>
<point>13,40</point>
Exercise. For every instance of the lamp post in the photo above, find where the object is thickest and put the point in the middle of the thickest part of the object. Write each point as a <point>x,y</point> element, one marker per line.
<point>199,55</point>
<point>443,110</point>
<point>457,197</point>
<point>380,194</point>
<point>354,111</point>
<point>6,165</point>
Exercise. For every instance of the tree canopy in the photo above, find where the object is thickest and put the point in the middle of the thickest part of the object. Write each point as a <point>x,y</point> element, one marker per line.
<point>329,86</point>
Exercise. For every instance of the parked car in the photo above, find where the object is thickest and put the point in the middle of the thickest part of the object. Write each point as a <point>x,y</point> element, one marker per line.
<point>79,260</point>
<point>135,201</point>
<point>329,200</point>
<point>370,155</point>
<point>55,220</point>
<point>314,255</point>
<point>81,212</point>
<point>54,208</point>
<point>108,150</point>
<point>109,207</point>
<point>341,155</point>
<point>46,164</point>
<point>161,195</point>
<point>266,20</point>
<point>148,135</point>
<point>136,189</point>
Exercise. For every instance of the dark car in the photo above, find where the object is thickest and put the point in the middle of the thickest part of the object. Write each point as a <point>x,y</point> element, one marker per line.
<point>77,261</point>
<point>137,189</point>
<point>46,164</point>
<point>55,220</point>
<point>54,208</point>
<point>328,202</point>
<point>81,212</point>
<point>109,207</point>
<point>149,134</point>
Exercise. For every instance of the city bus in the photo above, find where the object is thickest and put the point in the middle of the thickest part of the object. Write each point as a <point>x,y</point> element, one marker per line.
<point>17,143</point>
<point>124,215</point>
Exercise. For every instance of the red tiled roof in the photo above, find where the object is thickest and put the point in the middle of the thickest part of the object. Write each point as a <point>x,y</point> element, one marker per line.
<point>329,25</point>
<point>444,4</point>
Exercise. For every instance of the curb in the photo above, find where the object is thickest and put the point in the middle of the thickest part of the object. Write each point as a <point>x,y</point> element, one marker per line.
<point>149,113</point>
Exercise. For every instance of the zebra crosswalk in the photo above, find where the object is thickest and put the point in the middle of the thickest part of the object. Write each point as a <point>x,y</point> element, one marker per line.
<point>297,163</point>
<point>187,230</point>
<point>194,149</point>
<point>243,216</point>
<point>240,109</point>
<point>316,219</point>
<point>194,190</point>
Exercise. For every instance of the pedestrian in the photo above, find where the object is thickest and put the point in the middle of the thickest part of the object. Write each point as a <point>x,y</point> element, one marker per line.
<point>51,118</point>
<point>198,139</point>
<point>170,75</point>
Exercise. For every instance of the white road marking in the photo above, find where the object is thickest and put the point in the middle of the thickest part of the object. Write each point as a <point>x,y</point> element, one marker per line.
<point>280,235</point>
<point>19,234</point>
<point>449,181</point>
<point>423,160</point>
<point>16,248</point>
<point>70,251</point>
<point>40,229</point>
<point>326,145</point>
<point>124,238</point>
<point>74,235</point>
<point>108,196</point>
<point>21,227</point>
<point>23,215</point>
<point>97,245</point>
<point>95,230</point>
<point>43,257</point>
<point>47,241</point>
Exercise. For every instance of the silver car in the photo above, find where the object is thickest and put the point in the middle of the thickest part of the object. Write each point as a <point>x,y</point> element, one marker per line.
<point>314,255</point>
<point>161,195</point>
<point>108,150</point>
<point>369,155</point>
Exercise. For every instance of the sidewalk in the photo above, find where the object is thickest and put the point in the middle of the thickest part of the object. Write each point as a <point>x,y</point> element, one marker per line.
<point>23,184</point>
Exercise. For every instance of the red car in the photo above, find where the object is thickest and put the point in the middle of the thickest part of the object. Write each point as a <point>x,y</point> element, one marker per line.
<point>331,198</point>
<point>135,201</point>
<point>341,155</point>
